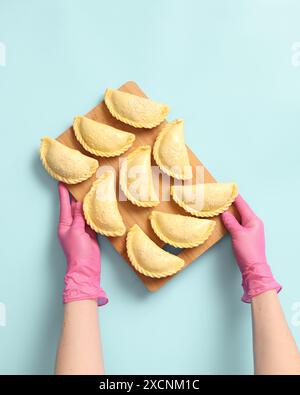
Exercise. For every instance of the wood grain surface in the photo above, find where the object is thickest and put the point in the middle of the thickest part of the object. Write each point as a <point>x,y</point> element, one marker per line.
<point>132,214</point>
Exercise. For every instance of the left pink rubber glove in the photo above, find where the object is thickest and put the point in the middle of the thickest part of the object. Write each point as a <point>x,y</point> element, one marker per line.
<point>80,245</point>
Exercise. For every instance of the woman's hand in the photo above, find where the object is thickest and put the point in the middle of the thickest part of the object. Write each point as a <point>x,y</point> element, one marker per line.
<point>80,245</point>
<point>248,243</point>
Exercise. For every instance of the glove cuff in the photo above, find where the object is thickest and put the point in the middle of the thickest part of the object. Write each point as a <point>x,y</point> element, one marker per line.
<point>257,280</point>
<point>76,295</point>
<point>83,285</point>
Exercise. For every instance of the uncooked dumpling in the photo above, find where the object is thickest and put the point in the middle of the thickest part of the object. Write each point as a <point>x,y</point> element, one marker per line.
<point>149,259</point>
<point>101,139</point>
<point>180,230</point>
<point>136,178</point>
<point>66,164</point>
<point>205,200</point>
<point>100,207</point>
<point>170,152</point>
<point>135,110</point>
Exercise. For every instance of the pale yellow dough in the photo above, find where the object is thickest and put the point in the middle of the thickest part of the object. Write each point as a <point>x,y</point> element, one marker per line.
<point>136,178</point>
<point>100,207</point>
<point>149,259</point>
<point>180,230</point>
<point>170,152</point>
<point>101,139</point>
<point>205,200</point>
<point>66,164</point>
<point>135,110</point>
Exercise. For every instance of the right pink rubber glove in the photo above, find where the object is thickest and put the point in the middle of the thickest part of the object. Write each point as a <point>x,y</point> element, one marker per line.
<point>248,243</point>
<point>80,245</point>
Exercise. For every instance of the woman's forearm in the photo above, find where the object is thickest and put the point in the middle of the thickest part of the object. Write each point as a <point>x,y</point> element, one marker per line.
<point>79,350</point>
<point>275,351</point>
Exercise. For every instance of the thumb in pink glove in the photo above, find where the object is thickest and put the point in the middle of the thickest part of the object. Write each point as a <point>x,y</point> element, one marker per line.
<point>248,243</point>
<point>80,245</point>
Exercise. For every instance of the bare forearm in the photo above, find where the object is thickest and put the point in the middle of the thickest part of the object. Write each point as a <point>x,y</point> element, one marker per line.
<point>79,350</point>
<point>275,351</point>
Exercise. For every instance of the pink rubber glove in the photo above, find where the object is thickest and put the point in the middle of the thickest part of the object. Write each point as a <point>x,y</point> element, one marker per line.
<point>248,243</point>
<point>80,245</point>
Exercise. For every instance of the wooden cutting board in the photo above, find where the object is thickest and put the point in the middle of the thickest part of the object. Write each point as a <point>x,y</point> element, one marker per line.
<point>132,214</point>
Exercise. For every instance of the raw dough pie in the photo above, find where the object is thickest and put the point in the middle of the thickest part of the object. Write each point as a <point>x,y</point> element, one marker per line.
<point>100,207</point>
<point>149,259</point>
<point>66,164</point>
<point>180,230</point>
<point>205,200</point>
<point>101,139</point>
<point>135,110</point>
<point>136,178</point>
<point>170,152</point>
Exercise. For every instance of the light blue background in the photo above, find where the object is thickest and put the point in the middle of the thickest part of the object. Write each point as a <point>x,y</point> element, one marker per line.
<point>226,68</point>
